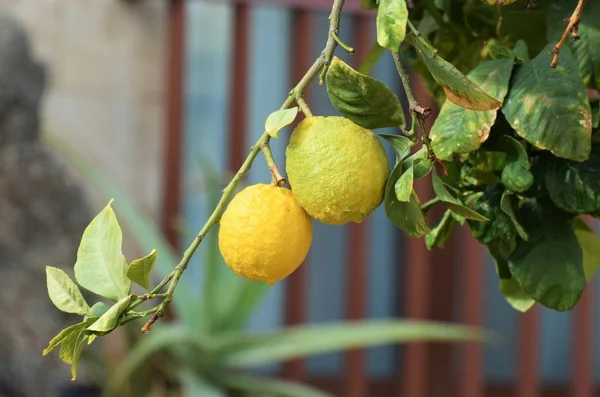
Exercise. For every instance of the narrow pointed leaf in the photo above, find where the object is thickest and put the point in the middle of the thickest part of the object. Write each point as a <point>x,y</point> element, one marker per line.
<point>77,350</point>
<point>408,217</point>
<point>401,145</point>
<point>279,119</point>
<point>65,334</point>
<point>364,100</point>
<point>63,292</point>
<point>458,130</point>
<point>441,232</point>
<point>421,163</point>
<point>515,174</point>
<point>507,206</point>
<point>454,204</point>
<point>311,340</point>
<point>99,267</point>
<point>140,269</point>
<point>392,17</point>
<point>549,107</point>
<point>458,88</point>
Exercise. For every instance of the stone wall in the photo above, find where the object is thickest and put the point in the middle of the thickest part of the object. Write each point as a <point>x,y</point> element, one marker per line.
<point>104,94</point>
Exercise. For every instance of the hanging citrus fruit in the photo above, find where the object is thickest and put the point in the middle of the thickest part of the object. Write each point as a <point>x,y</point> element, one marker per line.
<point>265,234</point>
<point>337,169</point>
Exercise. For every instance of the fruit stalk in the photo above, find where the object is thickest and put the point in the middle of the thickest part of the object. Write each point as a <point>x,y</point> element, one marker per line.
<point>319,66</point>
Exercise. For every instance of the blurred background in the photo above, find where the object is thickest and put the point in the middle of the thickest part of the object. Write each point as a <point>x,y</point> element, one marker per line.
<point>156,103</point>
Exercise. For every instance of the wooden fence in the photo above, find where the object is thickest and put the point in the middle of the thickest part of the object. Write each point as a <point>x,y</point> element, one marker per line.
<point>430,286</point>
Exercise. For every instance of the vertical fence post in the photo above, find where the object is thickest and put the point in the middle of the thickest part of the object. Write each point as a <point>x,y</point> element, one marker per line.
<point>174,119</point>
<point>296,286</point>
<point>528,351</point>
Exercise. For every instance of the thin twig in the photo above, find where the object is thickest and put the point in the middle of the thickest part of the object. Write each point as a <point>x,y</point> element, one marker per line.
<point>277,178</point>
<point>341,43</point>
<point>319,65</point>
<point>572,28</point>
<point>304,107</point>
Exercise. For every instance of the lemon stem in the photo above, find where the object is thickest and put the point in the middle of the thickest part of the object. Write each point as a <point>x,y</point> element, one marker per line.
<point>277,178</point>
<point>304,107</point>
<point>320,64</point>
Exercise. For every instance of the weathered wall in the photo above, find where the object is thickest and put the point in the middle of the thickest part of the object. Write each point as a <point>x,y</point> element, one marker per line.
<point>105,61</point>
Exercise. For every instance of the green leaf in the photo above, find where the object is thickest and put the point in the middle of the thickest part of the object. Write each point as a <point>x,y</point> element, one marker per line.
<point>109,320</point>
<point>279,119</point>
<point>458,130</point>
<point>77,350</point>
<point>63,292</point>
<point>498,51</point>
<point>368,4</point>
<point>99,267</point>
<point>575,187</point>
<point>392,17</point>
<point>421,163</point>
<point>257,385</point>
<point>507,205</point>
<point>71,348</point>
<point>499,2</point>
<point>139,270</point>
<point>595,114</point>
<point>549,266</point>
<point>404,185</point>
<point>406,216</point>
<point>515,296</point>
<point>309,340</point>
<point>590,246</point>
<point>99,308</point>
<point>399,143</point>
<point>441,232</point>
<point>501,229</point>
<point>66,334</point>
<point>587,49</point>
<point>363,99</point>
<point>458,88</point>
<point>453,204</point>
<point>549,107</point>
<point>516,175</point>
<point>521,51</point>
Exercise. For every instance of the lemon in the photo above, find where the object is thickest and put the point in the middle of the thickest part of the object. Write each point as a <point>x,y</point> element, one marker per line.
<point>337,169</point>
<point>265,234</point>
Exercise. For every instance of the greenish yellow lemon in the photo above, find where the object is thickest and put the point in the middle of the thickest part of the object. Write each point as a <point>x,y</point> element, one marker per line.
<point>265,234</point>
<point>337,169</point>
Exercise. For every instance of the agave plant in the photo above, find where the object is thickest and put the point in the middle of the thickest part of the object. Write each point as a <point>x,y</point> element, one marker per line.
<point>206,349</point>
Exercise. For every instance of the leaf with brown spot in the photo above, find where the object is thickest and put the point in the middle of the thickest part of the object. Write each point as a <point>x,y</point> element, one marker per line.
<point>458,130</point>
<point>458,88</point>
<point>549,108</point>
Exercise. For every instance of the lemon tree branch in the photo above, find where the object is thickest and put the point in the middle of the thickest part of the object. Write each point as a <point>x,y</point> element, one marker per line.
<point>573,28</point>
<point>277,178</point>
<point>295,95</point>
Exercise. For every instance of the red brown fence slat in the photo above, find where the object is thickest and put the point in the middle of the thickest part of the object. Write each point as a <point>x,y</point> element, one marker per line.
<point>470,376</point>
<point>582,367</point>
<point>528,353</point>
<point>417,262</point>
<point>355,371</point>
<point>239,86</point>
<point>296,290</point>
<point>173,120</point>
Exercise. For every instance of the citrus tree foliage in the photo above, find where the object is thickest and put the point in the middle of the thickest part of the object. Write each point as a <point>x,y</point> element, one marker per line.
<point>514,154</point>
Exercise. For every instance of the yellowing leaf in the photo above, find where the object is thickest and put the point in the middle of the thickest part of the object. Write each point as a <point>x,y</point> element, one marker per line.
<point>279,119</point>
<point>109,320</point>
<point>458,88</point>
<point>392,17</point>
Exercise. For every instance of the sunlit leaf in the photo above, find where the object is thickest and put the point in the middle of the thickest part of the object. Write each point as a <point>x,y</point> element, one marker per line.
<point>279,119</point>
<point>392,17</point>
<point>458,88</point>
<point>401,145</point>
<point>63,292</point>
<point>590,246</point>
<point>515,296</point>
<point>458,130</point>
<point>99,267</point>
<point>109,320</point>
<point>67,333</point>
<point>404,185</point>
<point>139,270</point>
